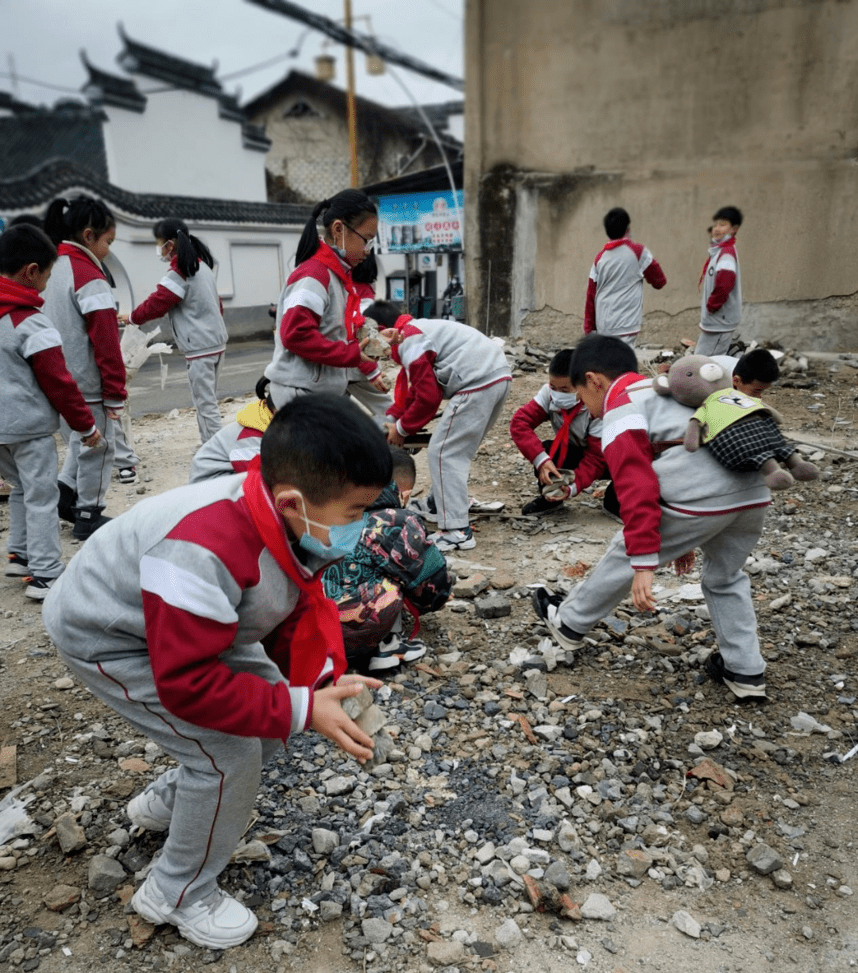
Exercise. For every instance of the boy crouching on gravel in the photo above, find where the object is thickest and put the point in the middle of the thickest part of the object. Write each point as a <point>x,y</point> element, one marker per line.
<point>671,502</point>
<point>163,612</point>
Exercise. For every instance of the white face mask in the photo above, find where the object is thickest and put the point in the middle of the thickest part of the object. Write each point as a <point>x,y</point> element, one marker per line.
<point>564,400</point>
<point>159,249</point>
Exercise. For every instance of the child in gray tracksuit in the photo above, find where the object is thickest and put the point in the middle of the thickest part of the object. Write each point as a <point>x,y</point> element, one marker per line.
<point>35,385</point>
<point>188,295</point>
<point>444,360</point>
<point>163,616</point>
<point>671,501</point>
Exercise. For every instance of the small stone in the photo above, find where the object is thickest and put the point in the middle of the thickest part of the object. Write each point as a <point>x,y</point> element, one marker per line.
<point>632,863</point>
<point>732,816</point>
<point>493,606</point>
<point>686,924</point>
<point>598,906</point>
<point>722,874</point>
<point>764,859</point>
<point>105,874</point>
<point>329,910</point>
<point>446,952</point>
<point>376,930</point>
<point>593,870</point>
<point>508,935</point>
<point>64,683</point>
<point>470,587</point>
<point>61,897</point>
<point>708,739</point>
<point>695,814</point>
<point>335,786</point>
<point>557,875</point>
<point>70,834</point>
<point>324,841</point>
<point>782,879</point>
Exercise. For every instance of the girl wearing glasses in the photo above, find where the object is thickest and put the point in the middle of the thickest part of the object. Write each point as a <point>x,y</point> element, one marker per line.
<point>319,309</point>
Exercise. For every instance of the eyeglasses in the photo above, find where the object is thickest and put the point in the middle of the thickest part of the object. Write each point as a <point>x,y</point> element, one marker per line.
<point>368,242</point>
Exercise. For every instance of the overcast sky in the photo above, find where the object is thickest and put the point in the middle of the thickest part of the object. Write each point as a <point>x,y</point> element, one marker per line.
<point>44,37</point>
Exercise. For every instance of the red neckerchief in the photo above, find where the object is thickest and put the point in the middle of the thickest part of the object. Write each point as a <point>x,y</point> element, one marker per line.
<point>15,296</point>
<point>560,446</point>
<point>318,629</point>
<point>354,319</point>
<point>400,389</point>
<point>730,240</point>
<point>619,386</point>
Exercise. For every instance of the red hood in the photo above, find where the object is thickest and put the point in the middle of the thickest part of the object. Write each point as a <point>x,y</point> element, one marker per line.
<point>16,297</point>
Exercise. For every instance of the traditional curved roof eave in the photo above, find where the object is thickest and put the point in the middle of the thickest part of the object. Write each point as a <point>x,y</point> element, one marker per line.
<point>38,187</point>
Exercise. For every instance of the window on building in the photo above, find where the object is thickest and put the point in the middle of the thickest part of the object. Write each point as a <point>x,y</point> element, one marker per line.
<point>300,109</point>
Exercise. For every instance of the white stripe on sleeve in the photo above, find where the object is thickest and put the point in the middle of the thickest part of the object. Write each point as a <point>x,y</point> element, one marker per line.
<point>183,590</point>
<point>99,301</point>
<point>244,454</point>
<point>300,696</point>
<point>623,423</point>
<point>304,297</point>
<point>413,347</point>
<point>175,285</point>
<point>43,339</point>
<point>646,259</point>
<point>726,262</point>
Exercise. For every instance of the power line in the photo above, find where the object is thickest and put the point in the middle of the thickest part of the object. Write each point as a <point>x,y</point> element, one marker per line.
<point>42,84</point>
<point>365,43</point>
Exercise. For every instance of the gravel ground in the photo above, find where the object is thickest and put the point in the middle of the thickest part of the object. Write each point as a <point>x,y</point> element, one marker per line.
<point>621,811</point>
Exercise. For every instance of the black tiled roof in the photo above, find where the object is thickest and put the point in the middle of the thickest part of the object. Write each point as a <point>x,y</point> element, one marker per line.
<point>111,89</point>
<point>9,102</point>
<point>31,139</point>
<point>430,180</point>
<point>36,189</point>
<point>437,115</point>
<point>176,71</point>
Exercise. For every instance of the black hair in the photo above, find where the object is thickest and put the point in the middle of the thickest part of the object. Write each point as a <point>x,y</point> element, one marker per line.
<point>66,220</point>
<point>25,244</point>
<point>323,444</point>
<point>351,206</point>
<point>27,219</point>
<point>617,222</point>
<point>758,365</point>
<point>366,272</point>
<point>190,250</point>
<point>602,354</point>
<point>384,313</point>
<point>729,213</point>
<point>263,394</point>
<point>560,363</point>
<point>403,462</point>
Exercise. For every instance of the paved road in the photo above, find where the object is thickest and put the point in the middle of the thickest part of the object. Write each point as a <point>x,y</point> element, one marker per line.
<point>242,366</point>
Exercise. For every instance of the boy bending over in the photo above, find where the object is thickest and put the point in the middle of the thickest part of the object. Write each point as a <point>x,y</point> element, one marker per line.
<point>162,615</point>
<point>671,502</point>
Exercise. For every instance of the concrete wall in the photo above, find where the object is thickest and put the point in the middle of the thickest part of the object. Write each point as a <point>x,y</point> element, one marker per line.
<point>671,108</point>
<point>181,146</point>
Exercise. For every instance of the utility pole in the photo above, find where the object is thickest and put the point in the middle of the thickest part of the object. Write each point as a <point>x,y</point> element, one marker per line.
<point>350,96</point>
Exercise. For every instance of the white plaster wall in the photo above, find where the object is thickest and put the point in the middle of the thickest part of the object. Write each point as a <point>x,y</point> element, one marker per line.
<point>180,146</point>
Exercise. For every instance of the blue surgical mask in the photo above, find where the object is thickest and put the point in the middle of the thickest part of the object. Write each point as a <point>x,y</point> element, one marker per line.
<point>564,400</point>
<point>342,538</point>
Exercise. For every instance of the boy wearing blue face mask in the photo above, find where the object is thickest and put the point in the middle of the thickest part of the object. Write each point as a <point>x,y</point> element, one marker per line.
<point>164,617</point>
<point>576,444</point>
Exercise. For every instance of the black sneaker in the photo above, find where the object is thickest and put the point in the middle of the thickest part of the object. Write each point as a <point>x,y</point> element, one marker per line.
<point>539,506</point>
<point>541,599</point>
<point>87,521</point>
<point>16,566</point>
<point>38,588</point>
<point>742,687</point>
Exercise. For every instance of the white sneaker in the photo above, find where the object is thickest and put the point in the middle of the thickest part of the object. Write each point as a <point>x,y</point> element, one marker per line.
<point>453,540</point>
<point>425,508</point>
<point>148,811</point>
<point>216,921</point>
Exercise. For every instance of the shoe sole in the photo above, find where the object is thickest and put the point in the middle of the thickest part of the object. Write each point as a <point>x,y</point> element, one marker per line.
<point>412,655</point>
<point>37,594</point>
<point>444,546</point>
<point>743,691</point>
<point>130,482</point>
<point>380,663</point>
<point>17,571</point>
<point>561,639</point>
<point>151,913</point>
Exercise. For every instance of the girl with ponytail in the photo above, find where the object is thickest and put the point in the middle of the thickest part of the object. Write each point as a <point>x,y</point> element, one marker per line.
<point>318,311</point>
<point>79,301</point>
<point>188,295</point>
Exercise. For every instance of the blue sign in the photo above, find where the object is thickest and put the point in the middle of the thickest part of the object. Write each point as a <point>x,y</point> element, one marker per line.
<point>415,222</point>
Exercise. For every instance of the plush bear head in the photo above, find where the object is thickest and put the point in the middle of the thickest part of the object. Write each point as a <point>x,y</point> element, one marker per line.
<point>692,379</point>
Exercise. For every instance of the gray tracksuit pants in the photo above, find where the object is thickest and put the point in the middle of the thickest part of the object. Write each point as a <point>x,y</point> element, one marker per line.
<point>34,527</point>
<point>202,375</point>
<point>726,541</point>
<point>86,470</point>
<point>376,403</point>
<point>124,453</point>
<point>454,443</point>
<point>713,343</point>
<point>214,788</point>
